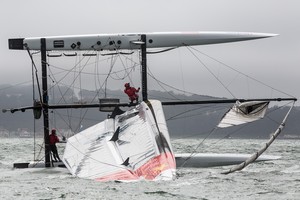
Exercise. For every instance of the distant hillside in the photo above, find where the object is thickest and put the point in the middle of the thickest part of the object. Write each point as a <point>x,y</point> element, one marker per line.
<point>183,121</point>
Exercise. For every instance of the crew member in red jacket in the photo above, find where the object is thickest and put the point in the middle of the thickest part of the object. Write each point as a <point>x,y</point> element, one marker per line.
<point>53,140</point>
<point>131,92</point>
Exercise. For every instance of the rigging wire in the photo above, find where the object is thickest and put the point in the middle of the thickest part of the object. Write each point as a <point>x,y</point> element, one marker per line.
<point>172,87</point>
<point>33,98</point>
<point>125,69</point>
<point>80,95</point>
<point>97,77</point>
<point>78,76</point>
<point>277,108</point>
<point>175,117</point>
<point>195,149</point>
<point>94,74</point>
<point>111,73</point>
<point>160,84</point>
<point>34,74</point>
<point>252,78</point>
<point>161,51</point>
<point>113,61</point>
<point>226,88</point>
<point>59,89</point>
<point>181,70</point>
<point>68,72</point>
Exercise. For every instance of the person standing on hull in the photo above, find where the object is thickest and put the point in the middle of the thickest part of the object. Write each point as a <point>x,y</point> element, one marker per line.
<point>132,93</point>
<point>53,140</point>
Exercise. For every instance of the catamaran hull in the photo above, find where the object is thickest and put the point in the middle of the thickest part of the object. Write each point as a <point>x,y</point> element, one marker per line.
<point>128,147</point>
<point>183,160</point>
<point>133,41</point>
<point>204,160</point>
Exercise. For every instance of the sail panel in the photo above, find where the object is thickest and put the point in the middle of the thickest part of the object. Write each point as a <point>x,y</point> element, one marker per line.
<point>140,149</point>
<point>244,112</point>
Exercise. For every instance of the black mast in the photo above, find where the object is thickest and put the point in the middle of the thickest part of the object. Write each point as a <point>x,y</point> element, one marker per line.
<point>144,67</point>
<point>45,102</point>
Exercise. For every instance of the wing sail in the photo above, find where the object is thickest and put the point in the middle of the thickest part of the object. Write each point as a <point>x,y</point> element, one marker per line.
<point>244,112</point>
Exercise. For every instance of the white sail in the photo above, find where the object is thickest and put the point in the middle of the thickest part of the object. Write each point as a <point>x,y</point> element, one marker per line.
<point>132,146</point>
<point>244,112</point>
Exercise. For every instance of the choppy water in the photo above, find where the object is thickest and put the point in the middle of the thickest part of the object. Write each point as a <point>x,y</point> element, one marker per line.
<point>279,179</point>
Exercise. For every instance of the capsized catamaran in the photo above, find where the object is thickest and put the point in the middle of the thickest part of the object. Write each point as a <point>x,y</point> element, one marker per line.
<point>135,144</point>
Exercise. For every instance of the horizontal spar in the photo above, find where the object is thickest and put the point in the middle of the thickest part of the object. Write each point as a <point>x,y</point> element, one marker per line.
<point>220,101</point>
<point>132,41</point>
<point>68,106</point>
<point>165,103</point>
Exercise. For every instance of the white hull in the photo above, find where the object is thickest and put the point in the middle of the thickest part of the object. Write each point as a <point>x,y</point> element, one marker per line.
<point>202,160</point>
<point>199,160</point>
<point>133,41</point>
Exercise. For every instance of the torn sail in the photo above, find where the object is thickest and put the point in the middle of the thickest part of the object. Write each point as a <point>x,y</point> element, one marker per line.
<point>132,146</point>
<point>244,112</point>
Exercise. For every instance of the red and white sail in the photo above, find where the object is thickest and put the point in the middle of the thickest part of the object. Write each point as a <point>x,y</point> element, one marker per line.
<point>129,147</point>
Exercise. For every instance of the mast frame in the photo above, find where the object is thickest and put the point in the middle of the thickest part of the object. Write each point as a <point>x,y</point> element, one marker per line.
<point>19,44</point>
<point>45,106</point>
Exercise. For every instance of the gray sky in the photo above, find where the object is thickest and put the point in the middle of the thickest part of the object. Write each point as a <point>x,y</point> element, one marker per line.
<point>275,61</point>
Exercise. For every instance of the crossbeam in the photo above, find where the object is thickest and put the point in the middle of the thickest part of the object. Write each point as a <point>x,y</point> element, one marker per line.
<point>165,103</point>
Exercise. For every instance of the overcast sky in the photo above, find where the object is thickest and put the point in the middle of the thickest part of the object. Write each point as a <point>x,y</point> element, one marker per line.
<point>274,60</point>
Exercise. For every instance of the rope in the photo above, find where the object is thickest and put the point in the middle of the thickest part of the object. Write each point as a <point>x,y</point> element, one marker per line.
<point>226,88</point>
<point>78,76</point>
<point>36,75</point>
<point>161,51</point>
<point>252,78</point>
<point>162,83</point>
<point>33,98</point>
<point>159,83</point>
<point>194,151</point>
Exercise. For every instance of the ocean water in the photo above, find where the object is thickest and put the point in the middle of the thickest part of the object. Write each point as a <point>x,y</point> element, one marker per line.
<point>277,179</point>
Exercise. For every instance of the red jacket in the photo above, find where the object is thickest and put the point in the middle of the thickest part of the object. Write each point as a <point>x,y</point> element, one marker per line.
<point>53,139</point>
<point>131,91</point>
